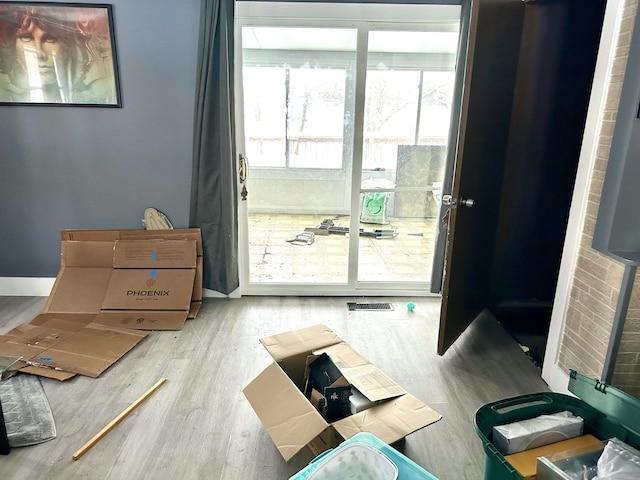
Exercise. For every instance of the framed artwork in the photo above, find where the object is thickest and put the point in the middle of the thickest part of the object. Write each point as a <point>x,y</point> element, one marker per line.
<point>58,54</point>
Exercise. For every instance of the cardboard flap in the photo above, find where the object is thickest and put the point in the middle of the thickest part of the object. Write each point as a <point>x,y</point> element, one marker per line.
<point>86,254</point>
<point>134,234</point>
<point>48,373</point>
<point>41,337</point>
<point>390,421</point>
<point>143,320</point>
<point>285,413</point>
<point>194,308</point>
<point>90,351</point>
<point>62,321</point>
<point>372,382</point>
<point>9,346</point>
<point>154,254</point>
<point>288,344</point>
<point>78,290</point>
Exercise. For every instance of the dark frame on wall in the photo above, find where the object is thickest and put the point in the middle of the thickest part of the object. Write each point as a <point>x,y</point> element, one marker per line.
<point>61,54</point>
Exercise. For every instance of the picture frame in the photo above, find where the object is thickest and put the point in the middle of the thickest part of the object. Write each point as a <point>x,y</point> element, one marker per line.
<point>58,54</point>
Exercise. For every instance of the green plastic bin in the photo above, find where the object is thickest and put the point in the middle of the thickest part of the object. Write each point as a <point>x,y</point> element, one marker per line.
<point>607,413</point>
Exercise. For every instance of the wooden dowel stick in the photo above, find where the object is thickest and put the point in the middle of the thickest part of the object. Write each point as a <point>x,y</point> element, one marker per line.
<point>118,419</point>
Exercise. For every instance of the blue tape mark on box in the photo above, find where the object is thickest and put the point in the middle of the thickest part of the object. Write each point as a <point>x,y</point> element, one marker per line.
<point>45,359</point>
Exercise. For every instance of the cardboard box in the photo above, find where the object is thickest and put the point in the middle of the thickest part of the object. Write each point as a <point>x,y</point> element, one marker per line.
<point>526,462</point>
<point>292,421</point>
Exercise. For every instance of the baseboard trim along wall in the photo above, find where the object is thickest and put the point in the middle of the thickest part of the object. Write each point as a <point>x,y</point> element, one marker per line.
<point>25,286</point>
<point>41,287</point>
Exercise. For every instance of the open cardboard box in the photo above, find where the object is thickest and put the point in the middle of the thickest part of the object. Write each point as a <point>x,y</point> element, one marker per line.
<point>111,283</point>
<point>291,420</point>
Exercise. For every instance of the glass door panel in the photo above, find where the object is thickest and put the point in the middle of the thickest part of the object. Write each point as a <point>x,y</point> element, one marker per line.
<point>343,116</point>
<point>296,100</point>
<point>408,97</point>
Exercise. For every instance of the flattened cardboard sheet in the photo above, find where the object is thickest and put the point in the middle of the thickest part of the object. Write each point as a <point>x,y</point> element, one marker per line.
<point>100,273</point>
<point>111,236</point>
<point>90,351</point>
<point>68,343</point>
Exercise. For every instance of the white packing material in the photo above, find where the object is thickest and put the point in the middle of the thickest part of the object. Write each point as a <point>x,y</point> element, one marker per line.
<point>534,432</point>
<point>618,461</point>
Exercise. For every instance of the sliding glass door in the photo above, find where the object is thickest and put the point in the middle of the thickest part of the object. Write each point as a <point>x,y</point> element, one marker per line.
<point>344,113</point>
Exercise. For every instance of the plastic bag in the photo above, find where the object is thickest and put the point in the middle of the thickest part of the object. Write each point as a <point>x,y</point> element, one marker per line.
<point>374,207</point>
<point>618,461</point>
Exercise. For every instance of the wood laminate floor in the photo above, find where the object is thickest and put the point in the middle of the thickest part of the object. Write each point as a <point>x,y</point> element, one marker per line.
<point>199,425</point>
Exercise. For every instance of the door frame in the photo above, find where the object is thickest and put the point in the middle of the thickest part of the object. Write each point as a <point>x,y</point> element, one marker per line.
<point>353,287</point>
<point>556,377</point>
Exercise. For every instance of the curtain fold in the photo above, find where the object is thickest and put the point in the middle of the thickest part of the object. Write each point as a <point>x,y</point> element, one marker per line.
<point>214,185</point>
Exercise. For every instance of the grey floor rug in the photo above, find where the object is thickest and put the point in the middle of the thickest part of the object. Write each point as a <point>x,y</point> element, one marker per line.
<point>27,413</point>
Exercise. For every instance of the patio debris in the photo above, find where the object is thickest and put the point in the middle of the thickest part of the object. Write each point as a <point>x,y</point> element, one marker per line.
<point>327,226</point>
<point>302,238</point>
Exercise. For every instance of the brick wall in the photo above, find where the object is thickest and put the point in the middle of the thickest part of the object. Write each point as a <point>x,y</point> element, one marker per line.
<point>597,278</point>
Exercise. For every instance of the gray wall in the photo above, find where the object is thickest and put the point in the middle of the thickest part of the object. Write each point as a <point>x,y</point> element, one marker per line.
<point>95,168</point>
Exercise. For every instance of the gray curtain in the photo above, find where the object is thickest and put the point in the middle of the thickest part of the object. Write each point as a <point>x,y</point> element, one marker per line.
<point>214,186</point>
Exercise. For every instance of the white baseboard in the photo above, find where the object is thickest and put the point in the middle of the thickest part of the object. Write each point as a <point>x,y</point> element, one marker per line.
<point>556,378</point>
<point>25,286</point>
<point>41,287</point>
<point>206,293</point>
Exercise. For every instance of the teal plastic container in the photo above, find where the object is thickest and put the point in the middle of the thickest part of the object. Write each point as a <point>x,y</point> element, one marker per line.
<point>407,469</point>
<point>607,413</point>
